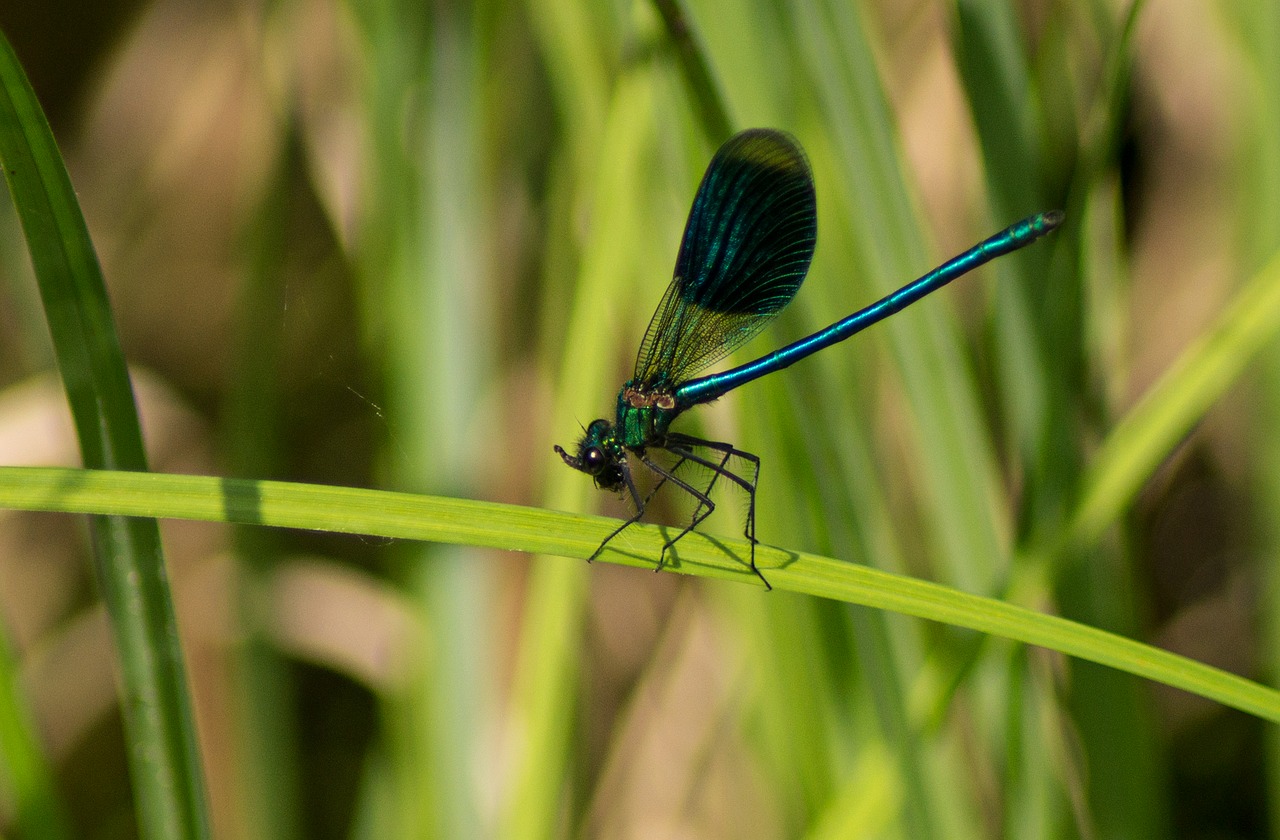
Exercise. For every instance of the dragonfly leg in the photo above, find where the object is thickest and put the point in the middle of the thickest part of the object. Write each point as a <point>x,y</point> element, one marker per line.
<point>640,507</point>
<point>705,505</point>
<point>684,446</point>
<point>641,504</point>
<point>704,497</point>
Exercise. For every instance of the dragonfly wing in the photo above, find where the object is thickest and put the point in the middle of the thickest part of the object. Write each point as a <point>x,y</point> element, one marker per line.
<point>746,249</point>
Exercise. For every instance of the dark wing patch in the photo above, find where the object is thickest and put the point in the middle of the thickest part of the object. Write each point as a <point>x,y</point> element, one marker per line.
<point>746,250</point>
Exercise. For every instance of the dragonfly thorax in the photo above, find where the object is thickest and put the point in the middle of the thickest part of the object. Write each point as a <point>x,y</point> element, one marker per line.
<point>645,413</point>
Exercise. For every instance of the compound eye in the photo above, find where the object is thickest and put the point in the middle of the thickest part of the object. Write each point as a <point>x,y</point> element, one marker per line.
<point>594,460</point>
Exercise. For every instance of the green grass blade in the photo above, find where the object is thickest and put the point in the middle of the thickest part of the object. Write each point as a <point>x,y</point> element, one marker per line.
<point>697,72</point>
<point>963,518</point>
<point>537,531</point>
<point>157,709</point>
<point>548,659</point>
<point>1041,348</point>
<point>946,424</point>
<point>1258,27</point>
<point>26,777</point>
<point>422,263</point>
<point>1155,426</point>
<point>265,723</point>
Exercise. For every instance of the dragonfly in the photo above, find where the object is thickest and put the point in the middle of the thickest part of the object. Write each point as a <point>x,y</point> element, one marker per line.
<point>746,249</point>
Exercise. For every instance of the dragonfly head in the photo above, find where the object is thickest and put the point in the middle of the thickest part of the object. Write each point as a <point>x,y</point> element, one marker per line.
<point>599,456</point>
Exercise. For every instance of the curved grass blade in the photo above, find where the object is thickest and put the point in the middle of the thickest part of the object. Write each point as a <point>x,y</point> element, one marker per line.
<point>533,530</point>
<point>130,565</point>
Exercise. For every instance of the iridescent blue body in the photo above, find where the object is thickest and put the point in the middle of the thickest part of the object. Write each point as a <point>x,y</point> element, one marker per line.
<point>745,251</point>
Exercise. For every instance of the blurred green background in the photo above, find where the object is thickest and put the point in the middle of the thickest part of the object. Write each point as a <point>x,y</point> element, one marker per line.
<point>412,245</point>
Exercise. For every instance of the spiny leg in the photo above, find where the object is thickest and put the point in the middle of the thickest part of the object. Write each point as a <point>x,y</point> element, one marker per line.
<point>703,499</point>
<point>679,444</point>
<point>640,504</point>
<point>685,453</point>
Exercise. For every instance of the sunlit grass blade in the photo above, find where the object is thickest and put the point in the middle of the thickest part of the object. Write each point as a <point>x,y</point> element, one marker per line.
<point>163,753</point>
<point>537,531</point>
<point>1153,428</point>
